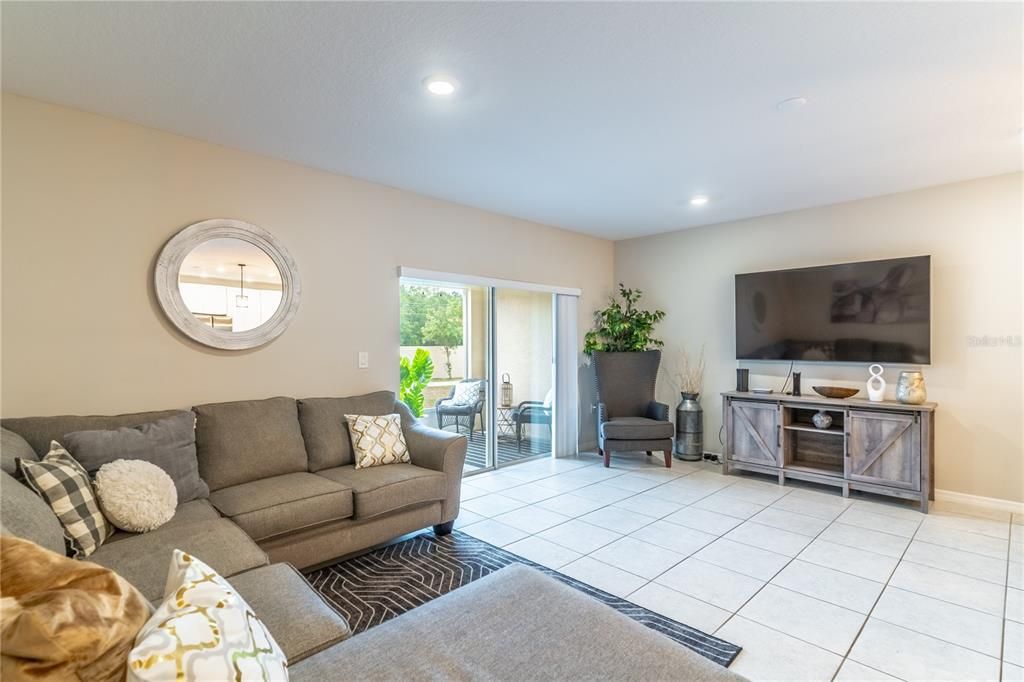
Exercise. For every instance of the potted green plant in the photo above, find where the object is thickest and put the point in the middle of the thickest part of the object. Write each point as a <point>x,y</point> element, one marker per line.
<point>622,327</point>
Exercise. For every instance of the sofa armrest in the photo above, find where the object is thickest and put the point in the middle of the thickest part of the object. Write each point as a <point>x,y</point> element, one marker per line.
<point>657,411</point>
<point>438,450</point>
<point>432,448</point>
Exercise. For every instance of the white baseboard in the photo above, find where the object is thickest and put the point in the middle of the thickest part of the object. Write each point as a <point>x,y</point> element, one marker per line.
<point>979,501</point>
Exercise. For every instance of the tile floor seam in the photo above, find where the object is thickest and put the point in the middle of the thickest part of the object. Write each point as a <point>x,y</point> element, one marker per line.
<point>874,605</point>
<point>936,637</point>
<point>1006,597</point>
<point>987,556</point>
<point>768,581</point>
<point>944,601</point>
<point>818,509</point>
<point>949,570</point>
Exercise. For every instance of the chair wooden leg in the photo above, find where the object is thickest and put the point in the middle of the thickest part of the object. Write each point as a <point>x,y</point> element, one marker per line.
<point>607,457</point>
<point>668,459</point>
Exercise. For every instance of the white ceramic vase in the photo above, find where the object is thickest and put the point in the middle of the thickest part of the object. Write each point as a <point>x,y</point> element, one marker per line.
<point>876,384</point>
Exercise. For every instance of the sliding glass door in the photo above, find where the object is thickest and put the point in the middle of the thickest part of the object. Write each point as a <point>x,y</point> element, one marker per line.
<point>479,360</point>
<point>524,367</point>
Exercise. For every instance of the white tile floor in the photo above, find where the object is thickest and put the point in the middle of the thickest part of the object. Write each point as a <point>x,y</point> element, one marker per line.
<point>811,585</point>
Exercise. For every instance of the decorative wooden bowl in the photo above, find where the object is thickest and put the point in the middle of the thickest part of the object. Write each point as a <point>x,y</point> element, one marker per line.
<point>835,391</point>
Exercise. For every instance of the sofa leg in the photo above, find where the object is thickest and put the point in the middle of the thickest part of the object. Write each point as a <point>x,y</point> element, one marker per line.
<point>649,453</point>
<point>668,459</point>
<point>606,453</point>
<point>443,529</point>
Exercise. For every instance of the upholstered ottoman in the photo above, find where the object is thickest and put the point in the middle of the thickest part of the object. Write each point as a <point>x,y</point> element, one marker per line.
<point>515,624</point>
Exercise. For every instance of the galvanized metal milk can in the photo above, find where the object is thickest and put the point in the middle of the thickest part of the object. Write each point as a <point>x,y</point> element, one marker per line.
<point>690,428</point>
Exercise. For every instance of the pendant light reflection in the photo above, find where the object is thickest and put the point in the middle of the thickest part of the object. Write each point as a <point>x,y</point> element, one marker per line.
<point>241,300</point>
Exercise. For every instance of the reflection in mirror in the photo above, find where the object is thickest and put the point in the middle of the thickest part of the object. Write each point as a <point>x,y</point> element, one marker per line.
<point>230,284</point>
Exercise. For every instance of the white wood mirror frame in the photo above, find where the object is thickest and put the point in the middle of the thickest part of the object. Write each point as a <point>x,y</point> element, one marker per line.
<point>168,267</point>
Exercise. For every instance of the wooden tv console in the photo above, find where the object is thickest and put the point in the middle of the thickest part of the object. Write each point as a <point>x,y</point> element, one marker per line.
<point>884,448</point>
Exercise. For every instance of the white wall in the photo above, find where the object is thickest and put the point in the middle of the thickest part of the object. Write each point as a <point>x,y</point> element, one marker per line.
<point>972,231</point>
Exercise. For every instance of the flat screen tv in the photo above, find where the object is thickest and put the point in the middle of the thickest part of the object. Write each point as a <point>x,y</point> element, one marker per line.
<point>874,311</point>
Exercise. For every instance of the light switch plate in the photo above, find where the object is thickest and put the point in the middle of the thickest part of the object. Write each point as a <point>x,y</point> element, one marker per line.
<point>364,359</point>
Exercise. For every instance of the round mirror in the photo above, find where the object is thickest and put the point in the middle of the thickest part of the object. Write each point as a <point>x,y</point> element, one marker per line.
<point>227,284</point>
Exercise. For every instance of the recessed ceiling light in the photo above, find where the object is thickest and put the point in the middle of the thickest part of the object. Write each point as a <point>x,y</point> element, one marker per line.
<point>791,104</point>
<point>698,200</point>
<point>437,85</point>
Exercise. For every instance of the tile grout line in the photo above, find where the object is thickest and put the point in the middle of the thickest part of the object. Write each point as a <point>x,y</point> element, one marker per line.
<point>1006,597</point>
<point>577,518</point>
<point>888,580</point>
<point>768,582</point>
<point>725,491</point>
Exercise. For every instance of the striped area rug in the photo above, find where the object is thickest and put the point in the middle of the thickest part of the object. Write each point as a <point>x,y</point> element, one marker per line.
<point>387,582</point>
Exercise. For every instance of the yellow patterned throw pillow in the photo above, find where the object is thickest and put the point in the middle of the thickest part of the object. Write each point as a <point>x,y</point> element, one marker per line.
<point>377,440</point>
<point>204,630</point>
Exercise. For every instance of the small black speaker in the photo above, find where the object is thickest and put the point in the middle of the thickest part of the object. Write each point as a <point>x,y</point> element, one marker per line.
<point>743,380</point>
<point>796,383</point>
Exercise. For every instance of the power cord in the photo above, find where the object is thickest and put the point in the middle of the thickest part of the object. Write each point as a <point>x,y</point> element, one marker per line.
<point>788,376</point>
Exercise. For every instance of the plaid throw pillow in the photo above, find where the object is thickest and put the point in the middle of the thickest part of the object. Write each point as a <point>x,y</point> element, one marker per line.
<point>65,486</point>
<point>377,440</point>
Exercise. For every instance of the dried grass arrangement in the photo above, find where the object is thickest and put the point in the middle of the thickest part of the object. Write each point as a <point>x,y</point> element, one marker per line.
<point>691,374</point>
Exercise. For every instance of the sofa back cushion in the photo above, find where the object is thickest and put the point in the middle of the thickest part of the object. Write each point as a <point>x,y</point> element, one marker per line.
<point>40,431</point>
<point>168,443</point>
<point>13,447</point>
<point>26,515</point>
<point>247,440</point>
<point>325,428</point>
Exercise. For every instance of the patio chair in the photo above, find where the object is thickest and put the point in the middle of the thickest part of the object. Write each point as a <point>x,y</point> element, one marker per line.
<point>532,412</point>
<point>465,400</point>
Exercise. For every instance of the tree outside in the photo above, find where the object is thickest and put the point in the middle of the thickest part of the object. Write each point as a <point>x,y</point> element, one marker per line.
<point>432,317</point>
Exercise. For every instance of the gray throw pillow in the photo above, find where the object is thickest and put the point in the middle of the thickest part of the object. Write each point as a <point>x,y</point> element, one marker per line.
<point>169,443</point>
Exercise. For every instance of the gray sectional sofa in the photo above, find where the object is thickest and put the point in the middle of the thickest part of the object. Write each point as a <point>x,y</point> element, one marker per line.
<point>285,494</point>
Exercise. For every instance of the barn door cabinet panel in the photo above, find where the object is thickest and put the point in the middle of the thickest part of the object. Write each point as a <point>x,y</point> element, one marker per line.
<point>883,448</point>
<point>754,431</point>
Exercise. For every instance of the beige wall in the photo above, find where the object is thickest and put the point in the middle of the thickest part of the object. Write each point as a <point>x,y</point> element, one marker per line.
<point>89,201</point>
<point>972,231</point>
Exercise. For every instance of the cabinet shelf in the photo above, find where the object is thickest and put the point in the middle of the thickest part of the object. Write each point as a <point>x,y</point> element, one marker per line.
<point>817,468</point>
<point>834,430</point>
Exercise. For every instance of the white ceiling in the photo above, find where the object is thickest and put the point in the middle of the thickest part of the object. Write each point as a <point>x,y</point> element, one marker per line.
<point>603,118</point>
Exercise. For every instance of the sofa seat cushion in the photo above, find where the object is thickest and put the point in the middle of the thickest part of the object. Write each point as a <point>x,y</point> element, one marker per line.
<point>296,615</point>
<point>143,559</point>
<point>383,489</point>
<point>509,626</point>
<point>190,512</point>
<point>636,428</point>
<point>248,440</point>
<point>282,504</point>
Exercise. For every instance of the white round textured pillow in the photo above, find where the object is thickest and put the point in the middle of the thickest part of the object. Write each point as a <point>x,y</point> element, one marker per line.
<point>134,495</point>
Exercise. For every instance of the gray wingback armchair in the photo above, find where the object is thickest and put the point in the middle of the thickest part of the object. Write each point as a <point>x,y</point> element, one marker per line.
<point>629,419</point>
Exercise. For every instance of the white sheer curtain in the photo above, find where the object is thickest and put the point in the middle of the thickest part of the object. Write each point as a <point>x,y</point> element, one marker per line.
<point>566,417</point>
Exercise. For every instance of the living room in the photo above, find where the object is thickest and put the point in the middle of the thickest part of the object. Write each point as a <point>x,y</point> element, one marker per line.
<point>515,340</point>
